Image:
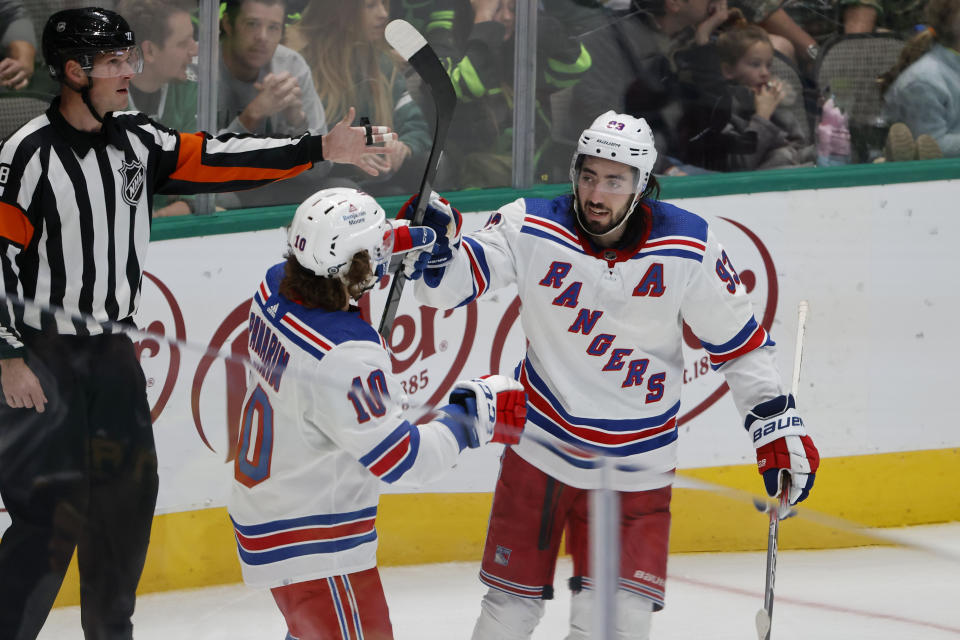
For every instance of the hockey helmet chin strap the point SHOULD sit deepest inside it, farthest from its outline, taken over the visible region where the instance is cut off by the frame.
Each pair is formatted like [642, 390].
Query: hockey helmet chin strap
[84, 92]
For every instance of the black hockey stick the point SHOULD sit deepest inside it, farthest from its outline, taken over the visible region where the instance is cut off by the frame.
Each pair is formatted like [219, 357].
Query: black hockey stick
[414, 48]
[780, 510]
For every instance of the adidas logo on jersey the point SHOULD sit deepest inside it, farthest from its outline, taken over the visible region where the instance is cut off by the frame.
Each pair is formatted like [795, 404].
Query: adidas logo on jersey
[272, 309]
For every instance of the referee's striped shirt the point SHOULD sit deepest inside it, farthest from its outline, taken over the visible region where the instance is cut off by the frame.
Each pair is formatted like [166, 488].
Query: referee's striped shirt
[75, 210]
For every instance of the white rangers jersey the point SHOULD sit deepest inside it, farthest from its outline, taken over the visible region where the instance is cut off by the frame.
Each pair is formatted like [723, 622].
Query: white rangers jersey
[603, 368]
[322, 426]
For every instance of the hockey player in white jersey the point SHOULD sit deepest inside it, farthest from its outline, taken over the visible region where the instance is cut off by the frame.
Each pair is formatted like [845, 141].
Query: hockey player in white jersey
[324, 421]
[606, 277]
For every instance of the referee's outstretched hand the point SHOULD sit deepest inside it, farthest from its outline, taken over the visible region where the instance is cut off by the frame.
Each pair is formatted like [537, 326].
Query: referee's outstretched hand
[356, 145]
[21, 389]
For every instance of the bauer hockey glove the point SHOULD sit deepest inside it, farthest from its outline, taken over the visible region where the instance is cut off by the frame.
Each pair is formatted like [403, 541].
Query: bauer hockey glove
[415, 244]
[496, 405]
[447, 223]
[782, 444]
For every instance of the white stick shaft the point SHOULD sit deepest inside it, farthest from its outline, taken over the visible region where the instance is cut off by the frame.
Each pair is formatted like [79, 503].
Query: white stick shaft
[802, 309]
[764, 618]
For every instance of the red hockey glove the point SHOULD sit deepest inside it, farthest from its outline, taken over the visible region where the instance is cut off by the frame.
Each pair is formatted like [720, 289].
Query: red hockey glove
[415, 244]
[498, 406]
[448, 225]
[782, 444]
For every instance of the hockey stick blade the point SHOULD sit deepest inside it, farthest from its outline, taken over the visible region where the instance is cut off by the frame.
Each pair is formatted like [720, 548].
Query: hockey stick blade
[410, 44]
[763, 624]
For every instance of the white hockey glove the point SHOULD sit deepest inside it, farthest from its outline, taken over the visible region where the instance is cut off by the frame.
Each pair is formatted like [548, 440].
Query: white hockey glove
[782, 444]
[415, 244]
[446, 222]
[496, 407]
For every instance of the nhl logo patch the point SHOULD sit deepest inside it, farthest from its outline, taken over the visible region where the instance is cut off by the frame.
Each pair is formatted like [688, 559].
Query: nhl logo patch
[133, 177]
[502, 556]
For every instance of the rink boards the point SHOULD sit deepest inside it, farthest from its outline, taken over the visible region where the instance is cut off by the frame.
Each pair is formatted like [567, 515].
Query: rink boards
[876, 263]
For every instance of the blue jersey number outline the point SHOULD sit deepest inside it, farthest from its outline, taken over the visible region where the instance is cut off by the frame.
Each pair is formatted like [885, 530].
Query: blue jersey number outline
[247, 470]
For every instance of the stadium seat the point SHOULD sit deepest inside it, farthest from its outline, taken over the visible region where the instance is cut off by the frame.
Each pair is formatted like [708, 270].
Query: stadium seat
[17, 108]
[848, 68]
[784, 69]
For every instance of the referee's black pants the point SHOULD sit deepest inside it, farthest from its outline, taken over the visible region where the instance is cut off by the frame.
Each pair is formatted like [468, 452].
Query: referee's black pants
[82, 475]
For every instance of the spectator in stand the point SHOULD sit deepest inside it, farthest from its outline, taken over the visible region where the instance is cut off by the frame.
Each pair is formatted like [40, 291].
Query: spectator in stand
[791, 39]
[921, 93]
[867, 16]
[435, 17]
[580, 17]
[18, 45]
[352, 64]
[741, 127]
[164, 89]
[267, 89]
[481, 137]
[642, 56]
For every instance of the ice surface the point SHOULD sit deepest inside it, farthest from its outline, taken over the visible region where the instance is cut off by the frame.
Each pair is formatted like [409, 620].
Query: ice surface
[875, 593]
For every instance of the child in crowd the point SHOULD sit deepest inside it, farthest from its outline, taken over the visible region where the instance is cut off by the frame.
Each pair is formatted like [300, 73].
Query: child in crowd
[746, 55]
[732, 120]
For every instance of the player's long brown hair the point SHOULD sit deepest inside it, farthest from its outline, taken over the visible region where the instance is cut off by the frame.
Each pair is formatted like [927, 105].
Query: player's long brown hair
[939, 16]
[330, 39]
[318, 292]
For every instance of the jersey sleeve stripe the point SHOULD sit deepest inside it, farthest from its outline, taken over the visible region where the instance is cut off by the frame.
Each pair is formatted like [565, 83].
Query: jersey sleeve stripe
[751, 336]
[540, 228]
[298, 331]
[306, 333]
[14, 225]
[675, 246]
[553, 227]
[395, 454]
[674, 253]
[264, 292]
[478, 266]
[676, 240]
[192, 168]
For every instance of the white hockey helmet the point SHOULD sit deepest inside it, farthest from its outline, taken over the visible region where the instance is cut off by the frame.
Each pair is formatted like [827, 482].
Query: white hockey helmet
[333, 225]
[621, 138]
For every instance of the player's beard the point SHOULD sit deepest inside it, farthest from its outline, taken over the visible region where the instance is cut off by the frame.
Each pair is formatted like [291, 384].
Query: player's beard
[599, 227]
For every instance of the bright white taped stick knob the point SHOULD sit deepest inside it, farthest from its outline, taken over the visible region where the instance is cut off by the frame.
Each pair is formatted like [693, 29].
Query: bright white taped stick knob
[402, 36]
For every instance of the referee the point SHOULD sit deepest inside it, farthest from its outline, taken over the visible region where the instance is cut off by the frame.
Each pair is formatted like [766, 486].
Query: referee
[78, 467]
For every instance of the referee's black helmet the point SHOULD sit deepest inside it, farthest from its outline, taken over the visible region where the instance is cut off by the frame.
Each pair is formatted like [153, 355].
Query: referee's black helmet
[80, 34]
